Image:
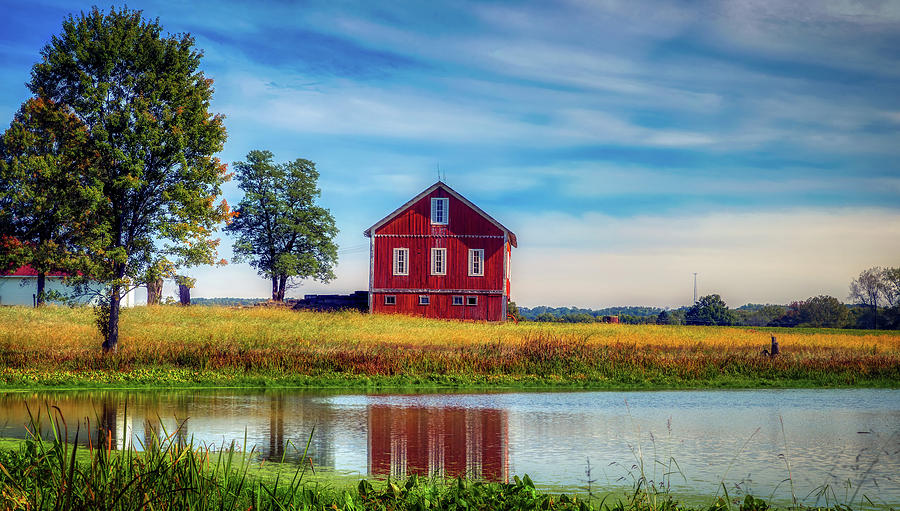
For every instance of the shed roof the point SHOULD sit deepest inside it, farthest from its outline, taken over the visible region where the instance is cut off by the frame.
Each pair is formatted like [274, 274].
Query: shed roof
[28, 271]
[440, 184]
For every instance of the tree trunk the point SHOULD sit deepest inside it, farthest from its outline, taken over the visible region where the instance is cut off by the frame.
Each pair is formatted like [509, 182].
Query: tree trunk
[112, 333]
[283, 285]
[278, 284]
[184, 294]
[41, 284]
[154, 291]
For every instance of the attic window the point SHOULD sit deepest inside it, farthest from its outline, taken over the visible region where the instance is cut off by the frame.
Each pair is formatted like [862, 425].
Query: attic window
[440, 211]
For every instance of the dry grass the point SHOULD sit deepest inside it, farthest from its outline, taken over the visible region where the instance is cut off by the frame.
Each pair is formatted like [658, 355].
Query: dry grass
[257, 345]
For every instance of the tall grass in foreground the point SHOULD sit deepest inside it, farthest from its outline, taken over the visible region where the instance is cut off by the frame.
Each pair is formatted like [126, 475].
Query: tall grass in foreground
[200, 345]
[57, 475]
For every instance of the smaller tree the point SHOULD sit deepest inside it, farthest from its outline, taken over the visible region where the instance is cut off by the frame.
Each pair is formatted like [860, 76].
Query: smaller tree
[709, 310]
[185, 284]
[824, 311]
[280, 230]
[47, 206]
[866, 289]
[662, 318]
[890, 285]
[513, 310]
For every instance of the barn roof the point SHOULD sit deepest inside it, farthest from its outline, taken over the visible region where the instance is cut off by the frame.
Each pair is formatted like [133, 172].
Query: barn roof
[440, 184]
[28, 271]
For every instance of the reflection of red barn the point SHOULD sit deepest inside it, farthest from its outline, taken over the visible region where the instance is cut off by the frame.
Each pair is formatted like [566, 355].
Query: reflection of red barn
[440, 256]
[445, 442]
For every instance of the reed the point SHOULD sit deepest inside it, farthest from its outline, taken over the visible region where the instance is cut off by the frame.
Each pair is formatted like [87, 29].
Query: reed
[183, 346]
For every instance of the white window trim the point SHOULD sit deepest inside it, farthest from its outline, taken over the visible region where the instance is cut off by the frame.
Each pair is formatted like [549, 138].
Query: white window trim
[446, 210]
[434, 269]
[424, 300]
[475, 297]
[472, 252]
[462, 301]
[393, 299]
[405, 252]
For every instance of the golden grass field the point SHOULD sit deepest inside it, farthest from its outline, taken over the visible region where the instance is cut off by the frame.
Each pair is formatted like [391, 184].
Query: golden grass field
[171, 345]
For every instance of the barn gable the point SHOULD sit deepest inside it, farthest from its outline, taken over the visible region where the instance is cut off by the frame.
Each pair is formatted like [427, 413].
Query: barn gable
[403, 218]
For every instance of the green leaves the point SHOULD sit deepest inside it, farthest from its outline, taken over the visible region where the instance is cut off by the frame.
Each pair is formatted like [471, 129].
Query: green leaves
[142, 105]
[280, 229]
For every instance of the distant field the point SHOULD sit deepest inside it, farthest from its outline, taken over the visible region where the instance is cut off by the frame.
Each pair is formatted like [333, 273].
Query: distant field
[175, 346]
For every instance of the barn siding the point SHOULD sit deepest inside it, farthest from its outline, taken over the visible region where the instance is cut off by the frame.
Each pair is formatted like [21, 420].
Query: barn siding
[420, 276]
[489, 307]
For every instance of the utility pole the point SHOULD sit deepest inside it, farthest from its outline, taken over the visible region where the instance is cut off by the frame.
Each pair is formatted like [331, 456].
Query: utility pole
[695, 287]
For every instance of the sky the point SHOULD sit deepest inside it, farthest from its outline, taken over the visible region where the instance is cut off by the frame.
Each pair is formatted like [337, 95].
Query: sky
[628, 144]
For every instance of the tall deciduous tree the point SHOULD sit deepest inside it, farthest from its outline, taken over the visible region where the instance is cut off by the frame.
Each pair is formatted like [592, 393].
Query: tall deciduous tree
[866, 289]
[49, 199]
[709, 310]
[145, 105]
[280, 229]
[890, 285]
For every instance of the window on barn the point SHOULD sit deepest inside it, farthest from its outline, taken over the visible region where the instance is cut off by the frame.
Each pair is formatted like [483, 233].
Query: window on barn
[457, 300]
[401, 261]
[476, 262]
[424, 300]
[390, 300]
[438, 261]
[440, 213]
[471, 300]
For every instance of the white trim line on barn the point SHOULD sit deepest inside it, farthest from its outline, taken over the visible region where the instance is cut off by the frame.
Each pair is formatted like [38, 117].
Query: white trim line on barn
[494, 236]
[440, 291]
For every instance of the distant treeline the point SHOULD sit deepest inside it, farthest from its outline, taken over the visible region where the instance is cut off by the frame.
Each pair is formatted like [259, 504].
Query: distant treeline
[818, 312]
[873, 287]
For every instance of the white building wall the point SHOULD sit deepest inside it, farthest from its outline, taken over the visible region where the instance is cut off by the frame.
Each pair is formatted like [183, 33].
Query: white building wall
[21, 290]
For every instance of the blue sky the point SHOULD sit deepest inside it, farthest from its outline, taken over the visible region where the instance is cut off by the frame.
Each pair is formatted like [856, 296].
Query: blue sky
[627, 143]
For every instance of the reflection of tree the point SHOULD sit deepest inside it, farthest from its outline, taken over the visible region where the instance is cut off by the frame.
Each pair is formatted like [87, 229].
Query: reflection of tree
[107, 422]
[276, 427]
[447, 442]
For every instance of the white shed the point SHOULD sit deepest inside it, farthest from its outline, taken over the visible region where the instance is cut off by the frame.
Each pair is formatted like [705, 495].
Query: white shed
[20, 287]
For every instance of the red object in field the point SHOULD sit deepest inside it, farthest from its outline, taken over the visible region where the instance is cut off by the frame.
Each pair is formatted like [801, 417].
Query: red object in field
[440, 256]
[28, 271]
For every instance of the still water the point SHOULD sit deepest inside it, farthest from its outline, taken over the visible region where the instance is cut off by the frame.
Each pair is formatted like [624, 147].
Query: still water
[751, 441]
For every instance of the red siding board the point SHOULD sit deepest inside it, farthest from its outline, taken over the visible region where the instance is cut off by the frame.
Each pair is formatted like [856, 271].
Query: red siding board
[467, 229]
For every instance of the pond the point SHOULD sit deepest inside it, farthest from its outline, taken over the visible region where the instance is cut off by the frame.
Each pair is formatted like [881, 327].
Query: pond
[773, 443]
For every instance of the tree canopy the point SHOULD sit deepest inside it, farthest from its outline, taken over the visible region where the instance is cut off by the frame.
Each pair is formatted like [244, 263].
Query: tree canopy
[49, 198]
[280, 229]
[145, 105]
[709, 310]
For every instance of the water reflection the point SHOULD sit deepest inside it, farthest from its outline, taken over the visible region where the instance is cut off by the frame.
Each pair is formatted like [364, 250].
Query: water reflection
[444, 442]
[741, 438]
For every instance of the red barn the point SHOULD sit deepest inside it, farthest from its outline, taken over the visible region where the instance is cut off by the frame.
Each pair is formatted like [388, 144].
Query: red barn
[440, 256]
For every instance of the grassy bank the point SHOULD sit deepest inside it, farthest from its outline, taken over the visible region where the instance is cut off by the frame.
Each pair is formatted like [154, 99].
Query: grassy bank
[194, 346]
